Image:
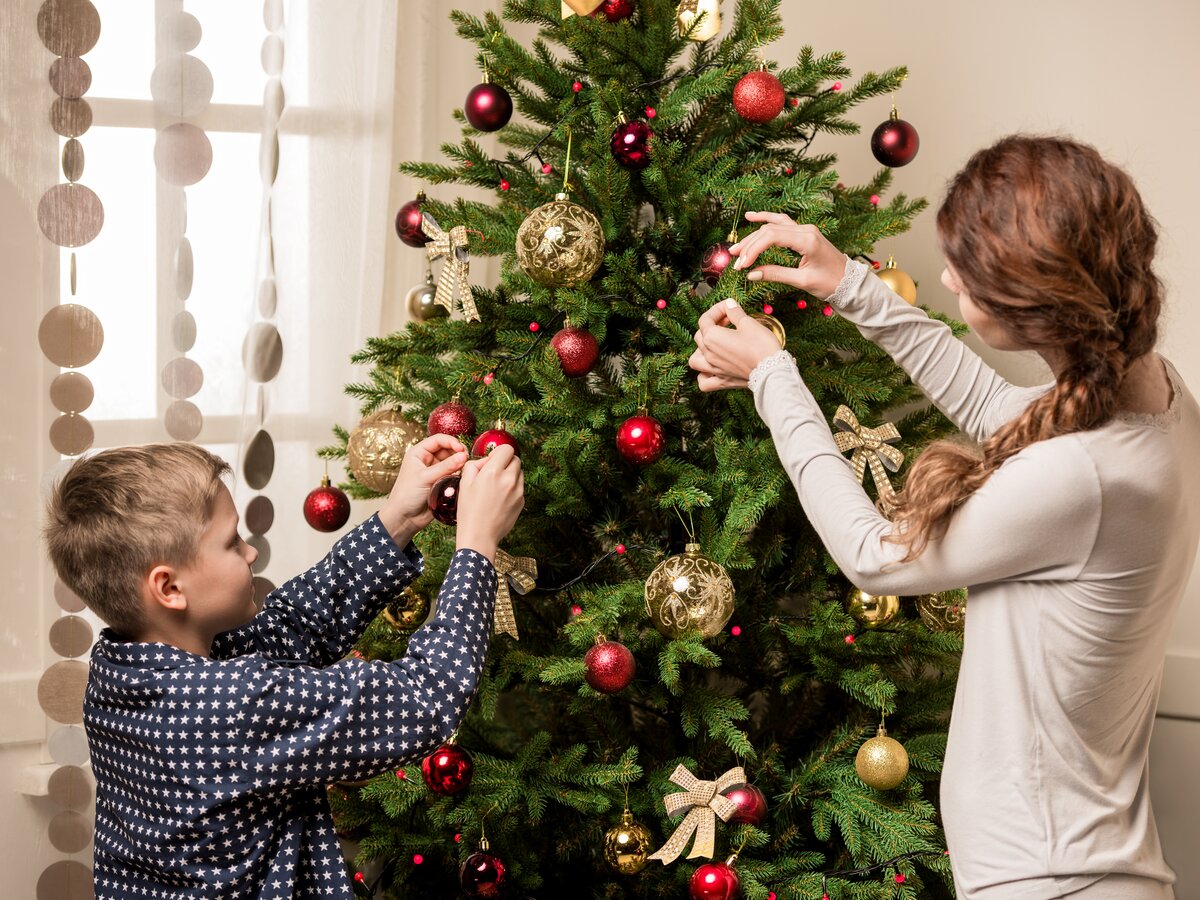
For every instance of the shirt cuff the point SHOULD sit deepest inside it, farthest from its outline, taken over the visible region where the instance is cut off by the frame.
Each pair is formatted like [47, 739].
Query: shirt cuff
[764, 368]
[852, 279]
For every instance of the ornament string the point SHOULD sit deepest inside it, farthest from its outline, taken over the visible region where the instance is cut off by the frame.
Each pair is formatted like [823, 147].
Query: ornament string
[592, 565]
[567, 165]
[867, 870]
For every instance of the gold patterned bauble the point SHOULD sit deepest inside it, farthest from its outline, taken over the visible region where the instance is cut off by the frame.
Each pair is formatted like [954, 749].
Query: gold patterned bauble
[421, 302]
[689, 11]
[560, 244]
[946, 611]
[407, 611]
[773, 324]
[689, 592]
[376, 448]
[627, 845]
[871, 610]
[882, 762]
[898, 280]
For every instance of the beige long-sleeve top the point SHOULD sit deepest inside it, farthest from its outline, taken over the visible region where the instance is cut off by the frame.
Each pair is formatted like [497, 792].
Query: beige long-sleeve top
[1076, 552]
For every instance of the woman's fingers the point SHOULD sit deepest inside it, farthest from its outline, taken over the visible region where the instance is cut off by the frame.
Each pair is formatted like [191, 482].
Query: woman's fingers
[699, 362]
[772, 217]
[719, 382]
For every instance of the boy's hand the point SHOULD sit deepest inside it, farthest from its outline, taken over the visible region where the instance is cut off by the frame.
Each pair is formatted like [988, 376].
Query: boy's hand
[491, 496]
[406, 510]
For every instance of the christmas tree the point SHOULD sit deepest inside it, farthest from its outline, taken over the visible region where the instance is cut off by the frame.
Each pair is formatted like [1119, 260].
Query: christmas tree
[666, 536]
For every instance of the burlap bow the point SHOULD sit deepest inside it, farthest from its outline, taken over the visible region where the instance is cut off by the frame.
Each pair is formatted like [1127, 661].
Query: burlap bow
[522, 572]
[704, 803]
[872, 448]
[452, 245]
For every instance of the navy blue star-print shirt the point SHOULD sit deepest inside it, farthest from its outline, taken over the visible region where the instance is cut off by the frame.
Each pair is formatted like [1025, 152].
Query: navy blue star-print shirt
[211, 772]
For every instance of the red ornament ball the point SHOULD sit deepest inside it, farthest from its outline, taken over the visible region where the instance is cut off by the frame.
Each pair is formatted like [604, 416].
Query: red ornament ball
[758, 97]
[631, 144]
[714, 881]
[448, 770]
[640, 440]
[614, 10]
[715, 261]
[408, 223]
[751, 804]
[483, 876]
[488, 106]
[326, 508]
[452, 418]
[609, 667]
[577, 349]
[895, 143]
[493, 438]
[443, 499]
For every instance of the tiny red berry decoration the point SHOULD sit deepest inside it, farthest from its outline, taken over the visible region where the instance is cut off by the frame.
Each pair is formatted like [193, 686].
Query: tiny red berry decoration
[577, 86]
[849, 639]
[504, 185]
[661, 303]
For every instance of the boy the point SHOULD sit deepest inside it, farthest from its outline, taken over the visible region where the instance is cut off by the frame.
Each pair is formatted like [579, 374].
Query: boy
[214, 724]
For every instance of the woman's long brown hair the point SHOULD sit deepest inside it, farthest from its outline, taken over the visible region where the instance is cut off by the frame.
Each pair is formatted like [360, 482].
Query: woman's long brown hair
[1055, 244]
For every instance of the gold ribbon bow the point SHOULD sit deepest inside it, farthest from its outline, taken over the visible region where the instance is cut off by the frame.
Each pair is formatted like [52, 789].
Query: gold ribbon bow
[704, 802]
[579, 7]
[872, 447]
[522, 572]
[452, 245]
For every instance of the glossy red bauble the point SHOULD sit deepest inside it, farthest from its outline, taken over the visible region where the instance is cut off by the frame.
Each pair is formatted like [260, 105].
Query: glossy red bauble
[615, 10]
[714, 881]
[443, 499]
[751, 804]
[488, 106]
[493, 438]
[577, 351]
[758, 97]
[447, 770]
[895, 143]
[640, 440]
[609, 667]
[326, 508]
[483, 876]
[452, 418]
[631, 144]
[408, 223]
[715, 261]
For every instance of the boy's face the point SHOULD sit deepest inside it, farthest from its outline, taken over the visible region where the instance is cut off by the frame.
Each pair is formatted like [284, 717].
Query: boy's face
[218, 582]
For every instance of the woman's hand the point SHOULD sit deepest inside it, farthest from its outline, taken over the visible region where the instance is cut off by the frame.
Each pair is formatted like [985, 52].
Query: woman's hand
[729, 345]
[821, 264]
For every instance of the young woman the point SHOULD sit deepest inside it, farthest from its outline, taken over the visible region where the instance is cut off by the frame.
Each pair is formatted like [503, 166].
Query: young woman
[1075, 523]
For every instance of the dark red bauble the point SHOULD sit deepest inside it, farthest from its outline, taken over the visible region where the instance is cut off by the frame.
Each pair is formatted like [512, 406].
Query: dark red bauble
[715, 261]
[448, 770]
[408, 224]
[452, 418]
[443, 499]
[631, 144]
[714, 881]
[493, 438]
[640, 440]
[577, 350]
[483, 875]
[609, 667]
[326, 508]
[895, 143]
[488, 106]
[758, 97]
[615, 10]
[751, 804]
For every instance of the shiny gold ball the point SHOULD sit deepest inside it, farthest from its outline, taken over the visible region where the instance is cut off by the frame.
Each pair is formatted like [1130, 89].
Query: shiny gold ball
[560, 244]
[871, 610]
[772, 323]
[420, 303]
[627, 845]
[407, 611]
[377, 446]
[882, 762]
[689, 592]
[946, 611]
[898, 280]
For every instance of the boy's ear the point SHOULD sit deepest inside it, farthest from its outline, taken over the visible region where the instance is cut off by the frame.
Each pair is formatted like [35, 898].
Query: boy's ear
[164, 588]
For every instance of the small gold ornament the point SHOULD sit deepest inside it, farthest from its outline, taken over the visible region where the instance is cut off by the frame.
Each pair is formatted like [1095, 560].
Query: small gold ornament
[872, 447]
[773, 324]
[898, 280]
[560, 244]
[407, 611]
[627, 845]
[871, 611]
[689, 591]
[689, 11]
[946, 611]
[421, 300]
[882, 762]
[376, 448]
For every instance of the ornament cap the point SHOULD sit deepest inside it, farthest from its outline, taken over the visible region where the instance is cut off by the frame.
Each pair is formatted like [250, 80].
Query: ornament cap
[731, 859]
[420, 196]
[325, 482]
[627, 817]
[500, 425]
[622, 119]
[562, 195]
[601, 638]
[691, 547]
[894, 115]
[483, 843]
[732, 236]
[891, 263]
[881, 731]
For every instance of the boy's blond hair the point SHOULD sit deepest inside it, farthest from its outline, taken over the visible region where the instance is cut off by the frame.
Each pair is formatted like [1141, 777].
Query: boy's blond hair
[116, 514]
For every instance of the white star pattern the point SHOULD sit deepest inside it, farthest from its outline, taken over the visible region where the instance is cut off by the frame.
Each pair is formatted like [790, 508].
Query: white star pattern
[210, 773]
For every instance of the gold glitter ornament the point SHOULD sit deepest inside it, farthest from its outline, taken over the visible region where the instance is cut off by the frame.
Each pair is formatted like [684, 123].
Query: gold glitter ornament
[407, 611]
[882, 762]
[871, 610]
[898, 280]
[946, 611]
[627, 845]
[560, 244]
[377, 446]
[689, 592]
